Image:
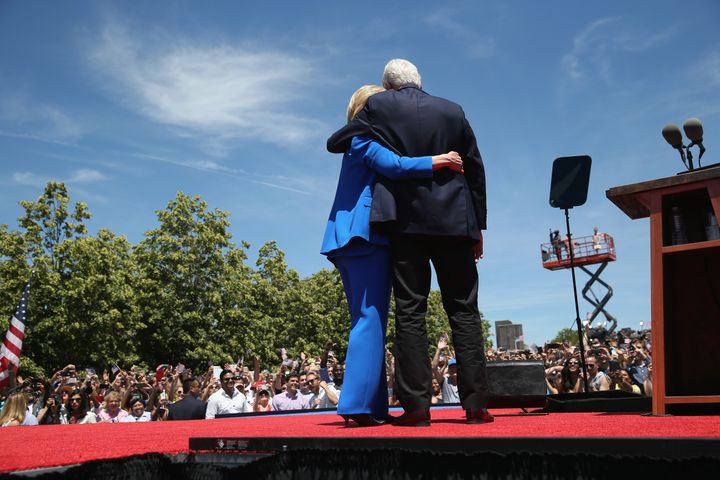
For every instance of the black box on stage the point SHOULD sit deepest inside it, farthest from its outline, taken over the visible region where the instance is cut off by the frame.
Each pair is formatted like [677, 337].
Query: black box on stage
[516, 384]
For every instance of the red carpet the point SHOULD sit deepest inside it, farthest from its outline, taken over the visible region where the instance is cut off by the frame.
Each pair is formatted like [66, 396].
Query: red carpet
[53, 445]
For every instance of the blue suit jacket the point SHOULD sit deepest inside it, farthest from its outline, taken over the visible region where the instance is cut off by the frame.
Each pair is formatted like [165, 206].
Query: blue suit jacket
[350, 214]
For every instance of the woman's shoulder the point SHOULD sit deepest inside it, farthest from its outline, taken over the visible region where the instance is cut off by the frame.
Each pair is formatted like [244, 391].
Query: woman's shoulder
[361, 143]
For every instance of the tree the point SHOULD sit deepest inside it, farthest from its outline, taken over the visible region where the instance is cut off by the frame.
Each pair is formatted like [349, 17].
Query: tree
[319, 314]
[48, 222]
[183, 294]
[566, 335]
[47, 226]
[181, 287]
[101, 314]
[14, 271]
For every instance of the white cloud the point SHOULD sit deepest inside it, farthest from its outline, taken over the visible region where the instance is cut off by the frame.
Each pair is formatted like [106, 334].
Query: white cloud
[584, 44]
[31, 179]
[707, 70]
[476, 45]
[596, 46]
[82, 175]
[86, 175]
[278, 182]
[22, 118]
[224, 92]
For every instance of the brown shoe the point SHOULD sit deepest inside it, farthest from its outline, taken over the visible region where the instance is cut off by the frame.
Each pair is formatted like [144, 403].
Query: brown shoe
[479, 416]
[416, 418]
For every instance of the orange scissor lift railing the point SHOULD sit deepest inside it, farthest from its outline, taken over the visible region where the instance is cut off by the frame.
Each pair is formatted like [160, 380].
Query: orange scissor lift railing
[586, 252]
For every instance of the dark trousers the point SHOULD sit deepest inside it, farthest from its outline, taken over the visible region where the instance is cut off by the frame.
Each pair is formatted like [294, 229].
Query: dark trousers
[454, 264]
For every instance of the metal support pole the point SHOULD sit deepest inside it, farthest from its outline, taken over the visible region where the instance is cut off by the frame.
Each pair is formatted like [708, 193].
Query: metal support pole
[577, 307]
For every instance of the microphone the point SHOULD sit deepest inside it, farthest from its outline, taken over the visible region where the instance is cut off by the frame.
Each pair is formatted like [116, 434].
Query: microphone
[672, 135]
[694, 131]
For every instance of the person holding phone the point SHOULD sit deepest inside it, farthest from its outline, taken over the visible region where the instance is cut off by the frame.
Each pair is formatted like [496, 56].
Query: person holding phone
[621, 380]
[50, 413]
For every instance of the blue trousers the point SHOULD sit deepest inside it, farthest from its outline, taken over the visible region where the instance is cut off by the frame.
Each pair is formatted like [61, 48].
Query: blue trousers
[367, 282]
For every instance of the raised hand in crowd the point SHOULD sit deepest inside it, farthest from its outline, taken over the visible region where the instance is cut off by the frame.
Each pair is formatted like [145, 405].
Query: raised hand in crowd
[621, 380]
[326, 354]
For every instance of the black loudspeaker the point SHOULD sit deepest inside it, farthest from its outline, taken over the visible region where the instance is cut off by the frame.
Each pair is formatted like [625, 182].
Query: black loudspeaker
[570, 180]
[516, 384]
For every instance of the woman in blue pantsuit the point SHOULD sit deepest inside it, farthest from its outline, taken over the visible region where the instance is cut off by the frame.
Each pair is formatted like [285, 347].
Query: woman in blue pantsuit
[362, 258]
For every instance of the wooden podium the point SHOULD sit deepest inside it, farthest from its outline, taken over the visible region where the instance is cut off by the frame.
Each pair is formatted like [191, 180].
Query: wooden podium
[685, 283]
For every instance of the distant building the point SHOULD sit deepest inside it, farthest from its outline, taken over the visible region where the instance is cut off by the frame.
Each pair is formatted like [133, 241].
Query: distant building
[509, 336]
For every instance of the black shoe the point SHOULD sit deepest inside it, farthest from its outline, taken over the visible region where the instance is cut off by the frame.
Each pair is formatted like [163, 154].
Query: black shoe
[416, 418]
[479, 416]
[387, 418]
[363, 420]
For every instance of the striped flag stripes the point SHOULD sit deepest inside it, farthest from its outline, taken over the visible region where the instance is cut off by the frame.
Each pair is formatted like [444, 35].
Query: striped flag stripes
[12, 345]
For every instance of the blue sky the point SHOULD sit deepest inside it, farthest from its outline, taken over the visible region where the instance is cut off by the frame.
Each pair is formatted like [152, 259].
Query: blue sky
[130, 102]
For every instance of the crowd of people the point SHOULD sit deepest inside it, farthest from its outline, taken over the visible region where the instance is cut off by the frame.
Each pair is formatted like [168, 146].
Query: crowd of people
[614, 361]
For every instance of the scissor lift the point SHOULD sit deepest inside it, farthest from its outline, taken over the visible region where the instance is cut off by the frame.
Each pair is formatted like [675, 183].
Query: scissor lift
[586, 252]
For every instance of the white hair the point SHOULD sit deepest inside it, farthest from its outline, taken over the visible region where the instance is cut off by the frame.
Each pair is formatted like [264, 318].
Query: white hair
[400, 73]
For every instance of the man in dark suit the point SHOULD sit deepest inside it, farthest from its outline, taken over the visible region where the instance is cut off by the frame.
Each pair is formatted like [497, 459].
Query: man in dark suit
[190, 407]
[438, 220]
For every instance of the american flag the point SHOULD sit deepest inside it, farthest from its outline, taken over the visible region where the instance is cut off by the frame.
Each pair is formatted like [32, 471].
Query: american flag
[12, 345]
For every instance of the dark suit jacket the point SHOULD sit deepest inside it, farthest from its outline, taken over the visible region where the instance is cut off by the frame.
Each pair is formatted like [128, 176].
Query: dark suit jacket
[413, 123]
[189, 408]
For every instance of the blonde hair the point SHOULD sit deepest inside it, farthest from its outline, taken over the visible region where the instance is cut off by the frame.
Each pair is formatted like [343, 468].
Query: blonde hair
[360, 98]
[15, 408]
[112, 395]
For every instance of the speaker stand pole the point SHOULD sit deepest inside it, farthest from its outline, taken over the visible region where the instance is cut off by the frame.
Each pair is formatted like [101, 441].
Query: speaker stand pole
[577, 307]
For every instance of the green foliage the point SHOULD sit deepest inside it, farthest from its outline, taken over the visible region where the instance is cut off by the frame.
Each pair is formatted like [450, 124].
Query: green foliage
[182, 267]
[566, 334]
[182, 294]
[437, 323]
[48, 222]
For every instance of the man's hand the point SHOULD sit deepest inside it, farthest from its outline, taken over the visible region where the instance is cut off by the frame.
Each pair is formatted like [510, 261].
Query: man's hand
[478, 248]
